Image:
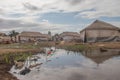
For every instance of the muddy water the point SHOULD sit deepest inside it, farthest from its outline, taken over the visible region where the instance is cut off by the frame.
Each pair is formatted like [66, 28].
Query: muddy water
[67, 65]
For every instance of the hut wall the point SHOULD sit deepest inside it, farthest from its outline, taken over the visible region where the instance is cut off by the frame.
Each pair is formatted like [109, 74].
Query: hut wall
[71, 38]
[99, 35]
[67, 38]
[34, 38]
[82, 35]
[26, 39]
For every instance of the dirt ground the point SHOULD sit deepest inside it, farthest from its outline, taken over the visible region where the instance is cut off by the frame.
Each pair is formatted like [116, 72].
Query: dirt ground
[5, 67]
[4, 74]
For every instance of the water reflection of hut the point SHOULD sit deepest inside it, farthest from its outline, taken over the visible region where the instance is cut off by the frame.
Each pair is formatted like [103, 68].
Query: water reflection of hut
[99, 57]
[100, 31]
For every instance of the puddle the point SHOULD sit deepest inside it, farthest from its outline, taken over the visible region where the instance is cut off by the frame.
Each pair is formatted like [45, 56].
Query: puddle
[68, 65]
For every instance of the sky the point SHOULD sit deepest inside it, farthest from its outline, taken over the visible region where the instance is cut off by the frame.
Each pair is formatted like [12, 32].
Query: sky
[56, 15]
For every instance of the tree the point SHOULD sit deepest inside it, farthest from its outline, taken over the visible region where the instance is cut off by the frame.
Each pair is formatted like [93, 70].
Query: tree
[14, 34]
[49, 33]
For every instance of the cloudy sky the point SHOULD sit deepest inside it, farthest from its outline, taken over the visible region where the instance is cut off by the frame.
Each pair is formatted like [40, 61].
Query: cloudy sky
[56, 15]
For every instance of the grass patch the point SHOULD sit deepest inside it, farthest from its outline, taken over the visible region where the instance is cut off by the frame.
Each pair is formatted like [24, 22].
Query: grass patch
[10, 58]
[26, 45]
[76, 48]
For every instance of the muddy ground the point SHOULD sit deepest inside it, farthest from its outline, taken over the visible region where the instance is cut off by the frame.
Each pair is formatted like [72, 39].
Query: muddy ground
[5, 67]
[4, 74]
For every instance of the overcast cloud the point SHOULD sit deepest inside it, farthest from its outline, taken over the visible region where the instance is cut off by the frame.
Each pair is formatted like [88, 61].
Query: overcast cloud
[26, 14]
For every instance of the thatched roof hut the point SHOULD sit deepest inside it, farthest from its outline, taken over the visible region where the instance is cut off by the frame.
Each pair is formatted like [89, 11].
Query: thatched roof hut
[32, 36]
[5, 39]
[2, 34]
[70, 36]
[100, 31]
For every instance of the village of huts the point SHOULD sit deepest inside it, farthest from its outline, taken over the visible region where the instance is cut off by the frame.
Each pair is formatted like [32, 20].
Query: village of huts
[98, 31]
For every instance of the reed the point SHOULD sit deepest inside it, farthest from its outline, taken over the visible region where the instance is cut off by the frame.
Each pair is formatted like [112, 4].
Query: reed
[9, 58]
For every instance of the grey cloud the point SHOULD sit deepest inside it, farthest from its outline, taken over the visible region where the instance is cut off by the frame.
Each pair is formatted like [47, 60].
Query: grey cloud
[5, 24]
[1, 11]
[74, 2]
[30, 6]
[104, 8]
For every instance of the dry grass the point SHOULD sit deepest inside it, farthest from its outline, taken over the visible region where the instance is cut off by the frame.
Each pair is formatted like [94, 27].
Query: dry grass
[21, 48]
[6, 51]
[110, 45]
[87, 46]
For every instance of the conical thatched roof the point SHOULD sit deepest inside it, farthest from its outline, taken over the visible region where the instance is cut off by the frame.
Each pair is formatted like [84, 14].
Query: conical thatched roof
[101, 25]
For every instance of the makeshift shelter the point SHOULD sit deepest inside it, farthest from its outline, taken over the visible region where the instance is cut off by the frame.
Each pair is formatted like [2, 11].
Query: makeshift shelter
[100, 31]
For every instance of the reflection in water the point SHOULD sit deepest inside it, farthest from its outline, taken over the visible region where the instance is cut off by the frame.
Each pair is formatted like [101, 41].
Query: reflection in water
[67, 65]
[99, 57]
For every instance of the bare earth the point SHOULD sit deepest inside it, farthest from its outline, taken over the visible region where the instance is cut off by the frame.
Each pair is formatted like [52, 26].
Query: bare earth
[4, 74]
